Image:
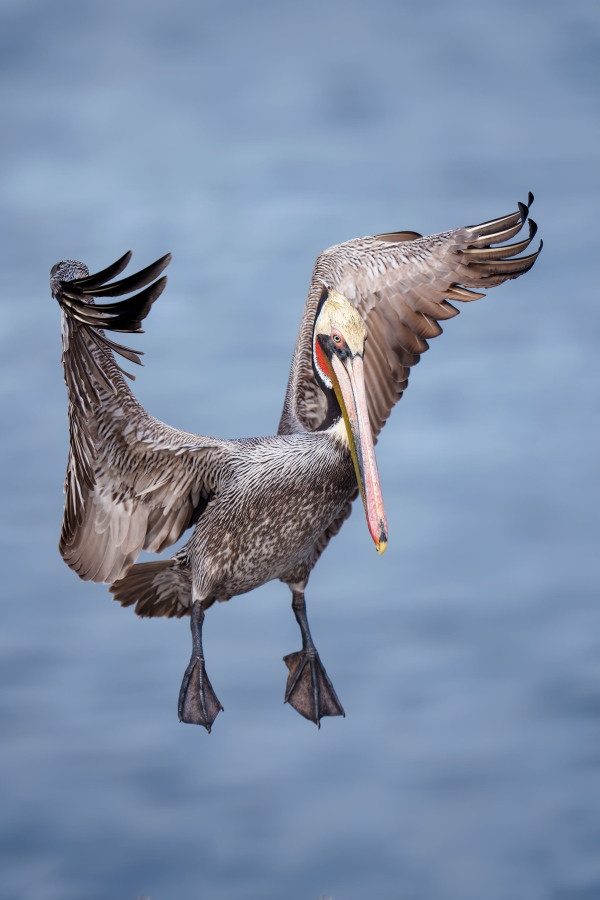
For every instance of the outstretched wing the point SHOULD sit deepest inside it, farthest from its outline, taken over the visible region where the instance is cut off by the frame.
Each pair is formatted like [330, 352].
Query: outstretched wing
[132, 482]
[401, 285]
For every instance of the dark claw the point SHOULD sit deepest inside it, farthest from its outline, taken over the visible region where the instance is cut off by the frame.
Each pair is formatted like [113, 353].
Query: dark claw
[309, 689]
[198, 703]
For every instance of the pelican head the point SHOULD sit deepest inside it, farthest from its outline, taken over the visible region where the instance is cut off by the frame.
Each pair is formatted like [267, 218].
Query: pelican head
[338, 351]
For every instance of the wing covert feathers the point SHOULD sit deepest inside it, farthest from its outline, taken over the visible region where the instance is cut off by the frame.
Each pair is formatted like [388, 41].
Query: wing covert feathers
[402, 284]
[132, 482]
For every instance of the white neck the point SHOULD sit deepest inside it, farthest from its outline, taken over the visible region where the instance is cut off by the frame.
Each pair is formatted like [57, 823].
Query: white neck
[339, 432]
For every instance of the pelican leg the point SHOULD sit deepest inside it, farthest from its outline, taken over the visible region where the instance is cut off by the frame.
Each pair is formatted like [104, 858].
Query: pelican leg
[198, 703]
[309, 689]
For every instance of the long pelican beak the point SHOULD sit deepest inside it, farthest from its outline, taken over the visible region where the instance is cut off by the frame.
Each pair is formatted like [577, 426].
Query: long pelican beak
[349, 386]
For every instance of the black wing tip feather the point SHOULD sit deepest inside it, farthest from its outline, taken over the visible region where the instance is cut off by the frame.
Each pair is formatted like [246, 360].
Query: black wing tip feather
[496, 260]
[76, 296]
[525, 207]
[104, 275]
[99, 284]
[524, 210]
[76, 299]
[132, 282]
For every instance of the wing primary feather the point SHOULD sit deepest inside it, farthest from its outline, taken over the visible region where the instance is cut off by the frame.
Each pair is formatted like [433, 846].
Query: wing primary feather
[476, 253]
[507, 266]
[74, 299]
[84, 318]
[497, 238]
[131, 318]
[133, 282]
[506, 221]
[127, 318]
[99, 278]
[485, 228]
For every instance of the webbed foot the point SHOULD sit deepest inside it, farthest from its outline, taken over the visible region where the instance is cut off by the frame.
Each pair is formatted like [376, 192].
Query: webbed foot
[198, 703]
[309, 689]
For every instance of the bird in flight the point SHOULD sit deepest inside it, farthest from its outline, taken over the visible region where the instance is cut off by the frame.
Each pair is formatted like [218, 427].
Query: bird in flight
[261, 508]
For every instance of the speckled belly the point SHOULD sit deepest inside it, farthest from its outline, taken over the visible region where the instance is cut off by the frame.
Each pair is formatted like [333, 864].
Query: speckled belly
[266, 524]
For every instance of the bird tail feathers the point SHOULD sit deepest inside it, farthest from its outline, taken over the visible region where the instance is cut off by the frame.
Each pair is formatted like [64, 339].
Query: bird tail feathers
[162, 588]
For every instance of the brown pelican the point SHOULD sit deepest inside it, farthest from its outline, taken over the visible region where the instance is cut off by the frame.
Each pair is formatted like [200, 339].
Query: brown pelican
[263, 508]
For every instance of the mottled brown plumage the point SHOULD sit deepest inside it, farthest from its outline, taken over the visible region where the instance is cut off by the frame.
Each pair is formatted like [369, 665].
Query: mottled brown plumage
[263, 508]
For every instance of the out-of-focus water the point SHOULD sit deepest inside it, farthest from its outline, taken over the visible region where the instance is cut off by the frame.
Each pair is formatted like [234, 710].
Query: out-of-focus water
[245, 137]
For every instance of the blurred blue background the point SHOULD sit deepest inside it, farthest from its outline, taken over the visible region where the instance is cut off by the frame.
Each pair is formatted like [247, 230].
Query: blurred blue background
[245, 137]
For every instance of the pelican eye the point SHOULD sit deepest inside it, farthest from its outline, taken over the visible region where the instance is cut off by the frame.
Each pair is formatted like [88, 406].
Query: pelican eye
[337, 339]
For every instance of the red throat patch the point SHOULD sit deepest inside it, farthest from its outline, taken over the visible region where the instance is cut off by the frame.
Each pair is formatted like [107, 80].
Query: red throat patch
[322, 359]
